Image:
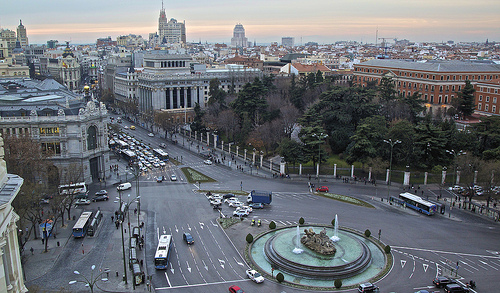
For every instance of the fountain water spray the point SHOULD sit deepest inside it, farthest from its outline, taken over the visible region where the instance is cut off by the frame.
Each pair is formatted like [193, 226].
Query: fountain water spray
[335, 237]
[297, 250]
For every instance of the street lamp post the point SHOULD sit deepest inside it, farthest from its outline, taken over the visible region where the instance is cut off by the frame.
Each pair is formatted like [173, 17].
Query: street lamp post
[391, 143]
[320, 137]
[90, 282]
[455, 155]
[123, 244]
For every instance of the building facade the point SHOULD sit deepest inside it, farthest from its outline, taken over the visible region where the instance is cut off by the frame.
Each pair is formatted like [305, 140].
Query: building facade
[11, 271]
[173, 81]
[170, 31]
[488, 97]
[70, 130]
[66, 69]
[287, 41]
[7, 42]
[239, 39]
[22, 36]
[437, 81]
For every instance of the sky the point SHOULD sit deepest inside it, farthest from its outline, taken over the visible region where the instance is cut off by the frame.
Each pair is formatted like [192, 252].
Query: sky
[322, 21]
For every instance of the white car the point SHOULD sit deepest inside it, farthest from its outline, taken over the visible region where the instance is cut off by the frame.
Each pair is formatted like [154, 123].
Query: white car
[249, 209]
[124, 186]
[82, 201]
[230, 200]
[208, 162]
[235, 204]
[173, 177]
[255, 276]
[215, 202]
[151, 134]
[162, 164]
[240, 214]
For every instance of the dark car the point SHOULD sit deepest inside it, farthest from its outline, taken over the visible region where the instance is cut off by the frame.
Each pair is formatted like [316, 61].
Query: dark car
[440, 282]
[455, 288]
[235, 289]
[228, 195]
[101, 198]
[188, 238]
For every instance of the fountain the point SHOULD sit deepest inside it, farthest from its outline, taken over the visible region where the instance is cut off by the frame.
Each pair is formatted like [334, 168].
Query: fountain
[335, 237]
[297, 250]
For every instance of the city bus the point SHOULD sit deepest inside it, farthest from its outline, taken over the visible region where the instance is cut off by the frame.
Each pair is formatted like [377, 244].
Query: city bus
[417, 203]
[94, 223]
[74, 188]
[163, 252]
[161, 154]
[81, 226]
[128, 155]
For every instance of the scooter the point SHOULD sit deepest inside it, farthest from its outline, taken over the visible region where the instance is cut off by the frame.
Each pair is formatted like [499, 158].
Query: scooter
[471, 284]
[252, 223]
[258, 222]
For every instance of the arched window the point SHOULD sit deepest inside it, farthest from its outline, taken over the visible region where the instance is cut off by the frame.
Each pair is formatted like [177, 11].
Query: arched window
[92, 138]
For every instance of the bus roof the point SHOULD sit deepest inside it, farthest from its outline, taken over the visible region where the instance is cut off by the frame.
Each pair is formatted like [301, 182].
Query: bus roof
[82, 220]
[416, 198]
[163, 246]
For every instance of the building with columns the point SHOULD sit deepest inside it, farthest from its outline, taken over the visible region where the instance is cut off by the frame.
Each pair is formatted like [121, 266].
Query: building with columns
[11, 271]
[66, 69]
[174, 81]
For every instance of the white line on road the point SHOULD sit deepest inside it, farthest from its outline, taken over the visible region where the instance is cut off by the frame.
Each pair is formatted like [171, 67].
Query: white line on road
[168, 281]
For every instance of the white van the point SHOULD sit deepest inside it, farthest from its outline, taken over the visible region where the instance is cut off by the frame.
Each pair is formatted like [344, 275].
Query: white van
[124, 186]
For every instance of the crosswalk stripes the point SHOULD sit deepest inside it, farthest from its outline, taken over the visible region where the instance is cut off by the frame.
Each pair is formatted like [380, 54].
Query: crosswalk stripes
[295, 195]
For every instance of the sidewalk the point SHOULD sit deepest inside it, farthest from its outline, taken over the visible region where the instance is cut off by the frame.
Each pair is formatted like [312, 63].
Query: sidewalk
[38, 263]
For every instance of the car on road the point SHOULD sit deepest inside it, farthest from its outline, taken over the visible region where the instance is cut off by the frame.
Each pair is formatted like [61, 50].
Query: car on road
[441, 281]
[208, 162]
[368, 287]
[247, 208]
[102, 197]
[255, 276]
[455, 288]
[240, 213]
[162, 164]
[456, 188]
[124, 186]
[188, 238]
[322, 189]
[173, 177]
[228, 195]
[151, 134]
[215, 202]
[156, 165]
[257, 205]
[235, 289]
[82, 201]
[159, 179]
[230, 200]
[235, 204]
[101, 192]
[163, 145]
[132, 127]
[217, 196]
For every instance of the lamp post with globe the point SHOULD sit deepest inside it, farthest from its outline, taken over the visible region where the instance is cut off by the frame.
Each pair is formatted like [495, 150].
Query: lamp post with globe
[90, 282]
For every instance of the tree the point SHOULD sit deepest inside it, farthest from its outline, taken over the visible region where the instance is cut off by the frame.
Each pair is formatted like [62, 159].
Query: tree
[217, 95]
[337, 283]
[464, 103]
[414, 106]
[251, 100]
[367, 233]
[280, 277]
[291, 151]
[388, 95]
[197, 124]
[367, 140]
[249, 238]
[312, 144]
[488, 132]
[165, 120]
[301, 221]
[272, 225]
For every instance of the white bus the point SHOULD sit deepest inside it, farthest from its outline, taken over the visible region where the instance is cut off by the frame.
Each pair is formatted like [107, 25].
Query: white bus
[73, 189]
[162, 254]
[417, 203]
[161, 154]
[81, 226]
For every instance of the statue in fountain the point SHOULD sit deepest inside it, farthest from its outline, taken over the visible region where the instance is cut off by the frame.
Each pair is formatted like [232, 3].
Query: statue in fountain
[319, 243]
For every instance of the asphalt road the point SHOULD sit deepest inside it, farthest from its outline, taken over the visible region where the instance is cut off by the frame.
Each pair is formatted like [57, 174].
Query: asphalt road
[421, 245]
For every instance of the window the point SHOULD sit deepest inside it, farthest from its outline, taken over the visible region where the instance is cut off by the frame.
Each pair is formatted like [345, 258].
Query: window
[486, 107]
[51, 148]
[479, 106]
[480, 97]
[49, 131]
[494, 100]
[92, 138]
[493, 109]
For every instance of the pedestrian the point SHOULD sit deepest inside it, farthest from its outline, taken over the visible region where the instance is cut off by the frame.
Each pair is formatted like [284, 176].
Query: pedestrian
[32, 250]
[112, 218]
[43, 241]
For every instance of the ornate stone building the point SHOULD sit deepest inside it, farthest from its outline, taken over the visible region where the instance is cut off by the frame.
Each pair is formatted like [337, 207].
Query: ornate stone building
[66, 69]
[170, 31]
[11, 274]
[22, 36]
[71, 130]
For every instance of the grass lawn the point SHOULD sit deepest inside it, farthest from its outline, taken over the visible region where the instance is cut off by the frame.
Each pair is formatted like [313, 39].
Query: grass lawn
[194, 176]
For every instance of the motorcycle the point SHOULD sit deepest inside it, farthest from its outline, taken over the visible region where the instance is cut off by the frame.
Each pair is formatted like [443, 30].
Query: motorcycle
[252, 223]
[471, 284]
[258, 223]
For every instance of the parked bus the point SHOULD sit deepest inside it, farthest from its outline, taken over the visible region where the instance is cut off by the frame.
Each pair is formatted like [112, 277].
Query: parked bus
[128, 155]
[162, 254]
[81, 226]
[161, 154]
[74, 188]
[94, 223]
[417, 203]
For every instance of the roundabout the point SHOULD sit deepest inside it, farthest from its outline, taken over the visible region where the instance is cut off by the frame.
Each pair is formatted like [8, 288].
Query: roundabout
[357, 258]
